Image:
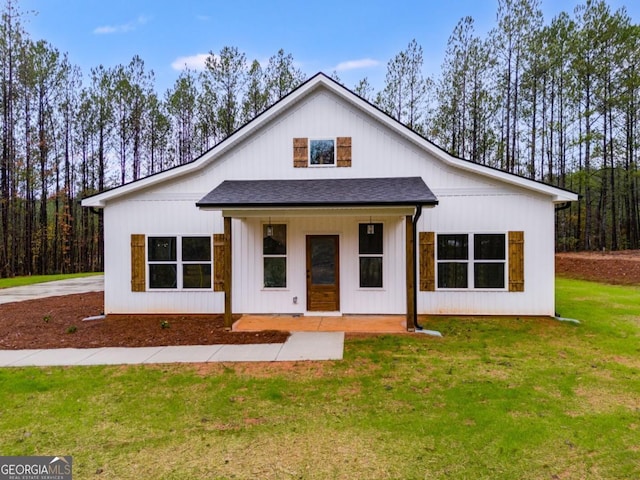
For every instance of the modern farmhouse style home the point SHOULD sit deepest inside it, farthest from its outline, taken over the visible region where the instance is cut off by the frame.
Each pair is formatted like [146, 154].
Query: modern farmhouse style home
[324, 205]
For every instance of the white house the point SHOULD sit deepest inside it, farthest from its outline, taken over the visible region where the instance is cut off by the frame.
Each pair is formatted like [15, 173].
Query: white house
[324, 204]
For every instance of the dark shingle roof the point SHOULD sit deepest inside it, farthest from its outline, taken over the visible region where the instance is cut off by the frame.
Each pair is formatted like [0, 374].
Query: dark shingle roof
[399, 191]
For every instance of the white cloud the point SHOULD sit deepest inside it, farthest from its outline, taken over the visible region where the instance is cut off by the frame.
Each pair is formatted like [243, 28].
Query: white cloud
[105, 30]
[124, 28]
[356, 64]
[192, 62]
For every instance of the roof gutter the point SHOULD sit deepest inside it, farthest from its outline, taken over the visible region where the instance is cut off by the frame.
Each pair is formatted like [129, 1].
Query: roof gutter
[564, 206]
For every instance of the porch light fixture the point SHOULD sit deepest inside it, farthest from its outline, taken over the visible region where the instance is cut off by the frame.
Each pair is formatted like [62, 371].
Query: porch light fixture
[371, 229]
[269, 229]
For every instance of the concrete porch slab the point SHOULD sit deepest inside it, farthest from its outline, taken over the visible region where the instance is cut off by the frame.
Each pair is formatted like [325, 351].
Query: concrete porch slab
[345, 323]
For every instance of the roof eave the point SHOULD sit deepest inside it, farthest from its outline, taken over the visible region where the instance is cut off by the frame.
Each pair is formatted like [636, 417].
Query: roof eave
[99, 200]
[559, 195]
[223, 206]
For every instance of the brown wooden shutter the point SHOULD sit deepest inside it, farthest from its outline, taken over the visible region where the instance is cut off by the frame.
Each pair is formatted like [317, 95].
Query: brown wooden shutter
[218, 262]
[344, 152]
[427, 261]
[300, 152]
[516, 261]
[138, 267]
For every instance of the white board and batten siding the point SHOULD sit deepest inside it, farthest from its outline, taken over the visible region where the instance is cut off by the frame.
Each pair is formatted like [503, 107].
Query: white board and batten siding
[497, 214]
[129, 216]
[468, 203]
[251, 297]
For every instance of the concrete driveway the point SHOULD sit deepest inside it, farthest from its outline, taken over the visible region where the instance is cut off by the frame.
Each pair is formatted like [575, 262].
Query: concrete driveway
[52, 289]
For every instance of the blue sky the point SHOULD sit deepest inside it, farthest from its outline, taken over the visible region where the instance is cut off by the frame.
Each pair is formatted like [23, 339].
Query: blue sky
[355, 38]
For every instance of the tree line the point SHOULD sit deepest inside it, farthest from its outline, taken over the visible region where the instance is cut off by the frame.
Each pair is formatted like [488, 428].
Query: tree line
[555, 102]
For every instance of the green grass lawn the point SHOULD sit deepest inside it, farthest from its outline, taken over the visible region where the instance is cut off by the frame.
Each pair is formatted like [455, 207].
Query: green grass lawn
[494, 399]
[31, 279]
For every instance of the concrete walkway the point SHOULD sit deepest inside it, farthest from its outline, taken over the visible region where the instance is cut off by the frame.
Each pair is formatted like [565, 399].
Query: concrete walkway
[299, 346]
[94, 283]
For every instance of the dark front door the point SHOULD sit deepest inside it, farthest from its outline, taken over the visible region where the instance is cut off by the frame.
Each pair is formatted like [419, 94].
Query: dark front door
[323, 273]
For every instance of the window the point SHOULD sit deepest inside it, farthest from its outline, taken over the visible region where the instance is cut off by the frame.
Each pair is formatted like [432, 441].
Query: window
[322, 152]
[274, 251]
[489, 256]
[477, 257]
[179, 262]
[370, 252]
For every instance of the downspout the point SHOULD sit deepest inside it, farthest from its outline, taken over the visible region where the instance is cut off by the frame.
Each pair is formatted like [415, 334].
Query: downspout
[564, 206]
[416, 217]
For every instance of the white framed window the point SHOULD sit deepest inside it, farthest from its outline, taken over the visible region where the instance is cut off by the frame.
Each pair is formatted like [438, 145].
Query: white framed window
[370, 253]
[179, 262]
[322, 152]
[471, 261]
[274, 255]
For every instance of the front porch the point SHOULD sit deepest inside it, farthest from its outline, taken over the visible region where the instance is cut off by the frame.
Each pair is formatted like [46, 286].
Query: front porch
[346, 244]
[345, 323]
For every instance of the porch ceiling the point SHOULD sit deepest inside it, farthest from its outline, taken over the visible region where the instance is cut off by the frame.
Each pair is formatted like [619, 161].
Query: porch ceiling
[344, 192]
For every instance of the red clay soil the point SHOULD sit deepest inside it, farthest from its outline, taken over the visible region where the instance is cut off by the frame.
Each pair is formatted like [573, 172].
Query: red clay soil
[56, 322]
[617, 268]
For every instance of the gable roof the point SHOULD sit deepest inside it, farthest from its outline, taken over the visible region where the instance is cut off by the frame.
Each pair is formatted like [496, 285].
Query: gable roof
[394, 191]
[320, 80]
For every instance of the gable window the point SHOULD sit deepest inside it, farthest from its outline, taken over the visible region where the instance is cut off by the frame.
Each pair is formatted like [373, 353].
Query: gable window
[327, 152]
[322, 152]
[370, 252]
[274, 255]
[179, 262]
[476, 261]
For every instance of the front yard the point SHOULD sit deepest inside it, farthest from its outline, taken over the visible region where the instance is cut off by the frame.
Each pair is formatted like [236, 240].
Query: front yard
[493, 399]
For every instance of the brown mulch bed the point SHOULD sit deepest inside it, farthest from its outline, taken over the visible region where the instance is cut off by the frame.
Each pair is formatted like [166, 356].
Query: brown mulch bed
[617, 268]
[56, 322]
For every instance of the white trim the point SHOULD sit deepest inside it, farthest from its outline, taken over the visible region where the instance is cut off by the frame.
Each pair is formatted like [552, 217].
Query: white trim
[316, 211]
[322, 81]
